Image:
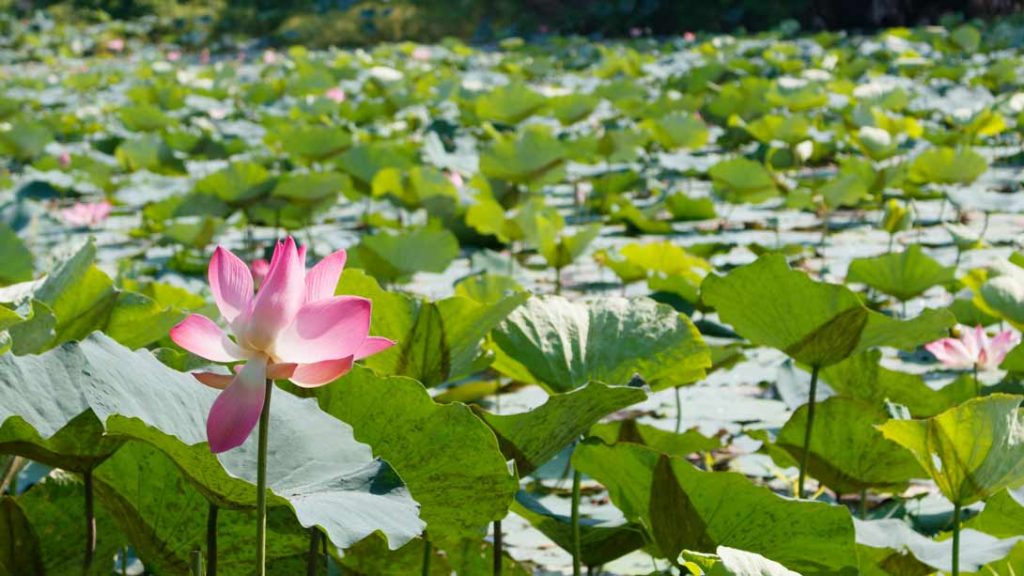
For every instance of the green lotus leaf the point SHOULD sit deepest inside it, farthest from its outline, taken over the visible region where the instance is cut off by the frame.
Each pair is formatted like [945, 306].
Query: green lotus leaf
[149, 152]
[562, 345]
[687, 509]
[572, 108]
[600, 541]
[731, 562]
[903, 275]
[847, 454]
[533, 438]
[314, 187]
[509, 104]
[664, 441]
[739, 180]
[534, 157]
[363, 161]
[239, 183]
[24, 140]
[972, 451]
[769, 128]
[815, 323]
[677, 130]
[396, 257]
[143, 118]
[310, 143]
[947, 166]
[438, 342]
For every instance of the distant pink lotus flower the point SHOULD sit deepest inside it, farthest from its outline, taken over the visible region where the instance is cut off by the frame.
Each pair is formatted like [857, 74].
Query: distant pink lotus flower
[294, 327]
[64, 159]
[260, 267]
[115, 45]
[173, 56]
[269, 57]
[335, 94]
[973, 348]
[86, 214]
[204, 56]
[455, 178]
[689, 36]
[543, 29]
[421, 53]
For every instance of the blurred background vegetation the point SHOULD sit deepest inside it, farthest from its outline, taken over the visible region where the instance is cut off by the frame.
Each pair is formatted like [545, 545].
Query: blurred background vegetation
[355, 22]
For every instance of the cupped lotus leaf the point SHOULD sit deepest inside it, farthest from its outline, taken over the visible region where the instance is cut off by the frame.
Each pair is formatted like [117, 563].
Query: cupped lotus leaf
[164, 518]
[486, 288]
[55, 509]
[412, 188]
[79, 445]
[533, 438]
[509, 104]
[1001, 293]
[862, 377]
[561, 250]
[238, 183]
[815, 323]
[572, 108]
[664, 441]
[363, 161]
[24, 140]
[739, 180]
[396, 257]
[562, 345]
[687, 209]
[846, 190]
[533, 157]
[1003, 514]
[314, 143]
[769, 128]
[687, 509]
[977, 549]
[17, 258]
[971, 451]
[600, 541]
[404, 425]
[149, 152]
[732, 562]
[338, 486]
[313, 187]
[847, 454]
[437, 342]
[903, 275]
[677, 130]
[947, 166]
[19, 553]
[143, 118]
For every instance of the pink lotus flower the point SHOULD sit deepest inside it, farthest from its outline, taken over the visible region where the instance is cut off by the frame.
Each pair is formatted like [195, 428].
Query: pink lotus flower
[115, 45]
[64, 160]
[689, 36]
[421, 53]
[86, 214]
[173, 56]
[973, 348]
[455, 178]
[269, 57]
[294, 327]
[260, 267]
[335, 94]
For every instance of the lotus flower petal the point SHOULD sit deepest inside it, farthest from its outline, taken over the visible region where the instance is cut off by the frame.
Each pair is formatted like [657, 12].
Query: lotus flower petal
[320, 373]
[279, 299]
[372, 345]
[237, 410]
[200, 336]
[322, 279]
[325, 330]
[230, 282]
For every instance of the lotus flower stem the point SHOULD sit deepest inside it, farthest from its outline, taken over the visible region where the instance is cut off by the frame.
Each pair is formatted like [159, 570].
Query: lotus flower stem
[576, 565]
[679, 411]
[261, 483]
[425, 571]
[956, 540]
[497, 548]
[211, 540]
[313, 557]
[807, 432]
[863, 505]
[977, 383]
[90, 521]
[197, 563]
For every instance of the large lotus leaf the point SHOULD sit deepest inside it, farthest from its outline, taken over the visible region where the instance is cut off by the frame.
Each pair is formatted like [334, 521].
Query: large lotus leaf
[19, 549]
[732, 562]
[971, 451]
[238, 183]
[365, 160]
[77, 446]
[394, 257]
[145, 118]
[863, 377]
[469, 558]
[532, 438]
[976, 548]
[150, 152]
[740, 180]
[815, 323]
[902, 275]
[311, 188]
[310, 143]
[338, 486]
[600, 541]
[947, 166]
[55, 511]
[677, 131]
[17, 258]
[535, 157]
[790, 130]
[24, 140]
[1001, 292]
[562, 345]
[664, 441]
[847, 453]
[509, 104]
[561, 250]
[165, 518]
[687, 509]
[437, 342]
[1003, 515]
[405, 426]
[412, 188]
[572, 108]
